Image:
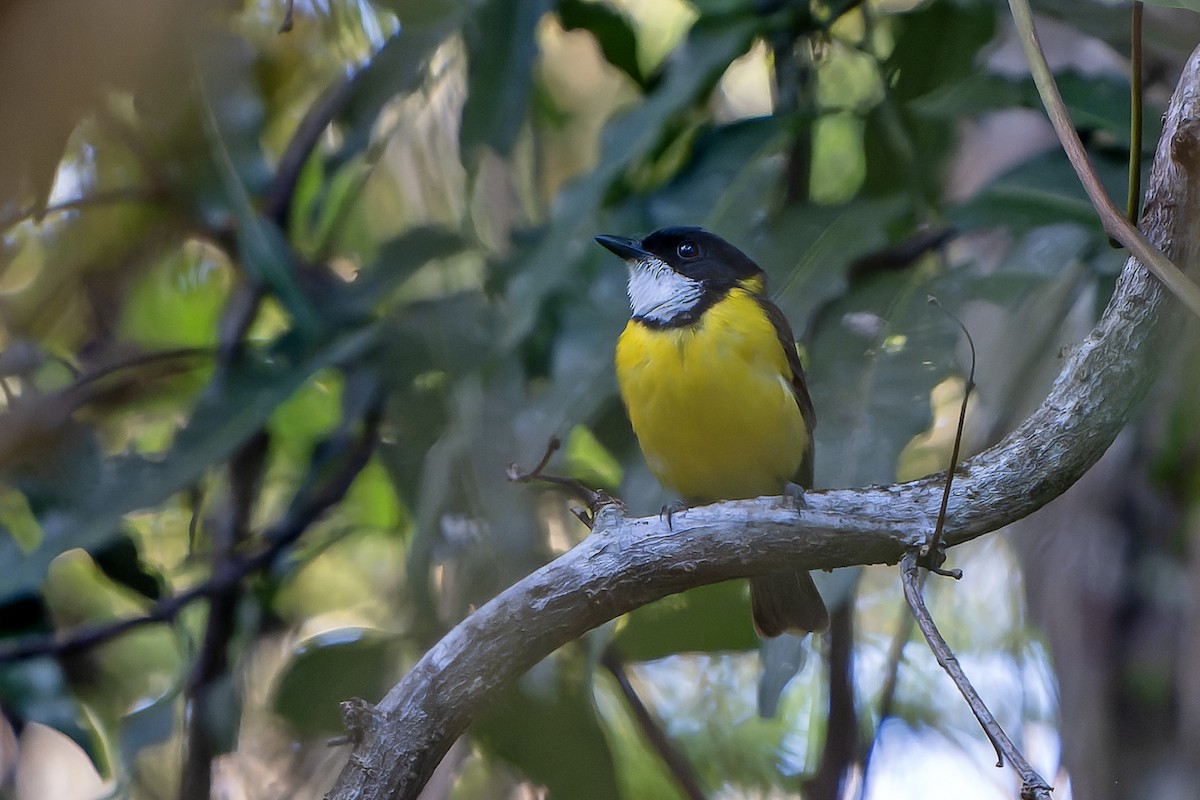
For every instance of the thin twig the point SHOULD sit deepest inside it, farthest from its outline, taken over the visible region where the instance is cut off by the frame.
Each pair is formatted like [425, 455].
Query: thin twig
[130, 194]
[577, 488]
[1111, 218]
[133, 362]
[930, 550]
[277, 203]
[289, 8]
[676, 763]
[1033, 785]
[1134, 199]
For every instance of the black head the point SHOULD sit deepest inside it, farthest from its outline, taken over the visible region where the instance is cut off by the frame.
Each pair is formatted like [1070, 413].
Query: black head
[692, 252]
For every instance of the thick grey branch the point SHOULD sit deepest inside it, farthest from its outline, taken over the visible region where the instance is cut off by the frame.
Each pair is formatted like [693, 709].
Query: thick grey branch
[627, 562]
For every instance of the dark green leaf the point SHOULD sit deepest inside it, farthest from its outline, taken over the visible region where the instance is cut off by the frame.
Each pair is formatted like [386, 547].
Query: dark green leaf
[709, 619]
[398, 259]
[1042, 189]
[331, 667]
[937, 45]
[877, 353]
[727, 176]
[546, 727]
[721, 8]
[613, 33]
[149, 725]
[502, 48]
[36, 691]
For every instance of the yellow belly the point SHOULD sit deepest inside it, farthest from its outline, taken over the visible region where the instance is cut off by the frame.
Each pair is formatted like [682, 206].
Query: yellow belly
[712, 404]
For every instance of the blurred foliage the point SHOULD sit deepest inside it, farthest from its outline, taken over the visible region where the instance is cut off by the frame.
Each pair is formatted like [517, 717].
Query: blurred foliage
[378, 224]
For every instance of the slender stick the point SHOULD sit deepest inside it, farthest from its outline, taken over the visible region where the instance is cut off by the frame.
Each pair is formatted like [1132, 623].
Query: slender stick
[676, 763]
[1033, 785]
[935, 541]
[1133, 201]
[1113, 220]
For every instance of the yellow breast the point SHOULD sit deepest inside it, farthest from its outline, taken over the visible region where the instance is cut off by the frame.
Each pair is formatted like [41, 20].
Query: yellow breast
[712, 403]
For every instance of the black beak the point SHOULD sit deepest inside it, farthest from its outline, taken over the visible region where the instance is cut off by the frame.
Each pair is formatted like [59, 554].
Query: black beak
[625, 249]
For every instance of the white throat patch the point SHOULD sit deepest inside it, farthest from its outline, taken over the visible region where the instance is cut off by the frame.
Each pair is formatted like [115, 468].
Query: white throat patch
[659, 293]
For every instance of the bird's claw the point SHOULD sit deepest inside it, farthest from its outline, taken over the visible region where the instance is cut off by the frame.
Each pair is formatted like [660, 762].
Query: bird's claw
[670, 510]
[793, 493]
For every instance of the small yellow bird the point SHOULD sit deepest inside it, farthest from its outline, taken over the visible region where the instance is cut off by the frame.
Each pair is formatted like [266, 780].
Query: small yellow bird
[714, 388]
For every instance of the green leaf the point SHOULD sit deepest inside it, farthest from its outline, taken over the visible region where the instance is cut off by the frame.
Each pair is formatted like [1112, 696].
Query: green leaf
[149, 725]
[970, 95]
[876, 354]
[398, 259]
[320, 206]
[36, 691]
[1042, 189]
[331, 667]
[709, 619]
[614, 34]
[304, 418]
[726, 177]
[179, 302]
[590, 462]
[269, 260]
[124, 674]
[502, 48]
[546, 726]
[371, 501]
[1100, 103]
[263, 250]
[722, 8]
[936, 45]
[806, 250]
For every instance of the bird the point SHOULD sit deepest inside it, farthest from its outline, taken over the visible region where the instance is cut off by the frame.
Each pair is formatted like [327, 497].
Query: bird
[712, 383]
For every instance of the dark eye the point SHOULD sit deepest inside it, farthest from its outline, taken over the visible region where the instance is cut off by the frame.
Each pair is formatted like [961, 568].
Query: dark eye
[688, 250]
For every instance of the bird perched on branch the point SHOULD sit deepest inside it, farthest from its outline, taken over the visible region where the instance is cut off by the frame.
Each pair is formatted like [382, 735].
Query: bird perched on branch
[714, 388]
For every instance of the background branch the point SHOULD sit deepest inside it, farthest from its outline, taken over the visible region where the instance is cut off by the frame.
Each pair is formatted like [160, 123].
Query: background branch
[675, 761]
[627, 562]
[1114, 221]
[323, 491]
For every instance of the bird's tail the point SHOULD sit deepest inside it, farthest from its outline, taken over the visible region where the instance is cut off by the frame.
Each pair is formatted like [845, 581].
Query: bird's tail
[786, 602]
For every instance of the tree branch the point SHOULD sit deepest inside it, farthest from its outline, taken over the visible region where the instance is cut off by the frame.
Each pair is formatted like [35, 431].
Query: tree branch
[1033, 785]
[627, 563]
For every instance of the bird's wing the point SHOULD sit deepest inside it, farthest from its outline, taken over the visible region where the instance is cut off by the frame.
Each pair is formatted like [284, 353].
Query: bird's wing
[804, 475]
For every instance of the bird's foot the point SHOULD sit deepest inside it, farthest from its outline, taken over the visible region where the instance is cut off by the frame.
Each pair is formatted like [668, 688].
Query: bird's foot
[668, 511]
[793, 494]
